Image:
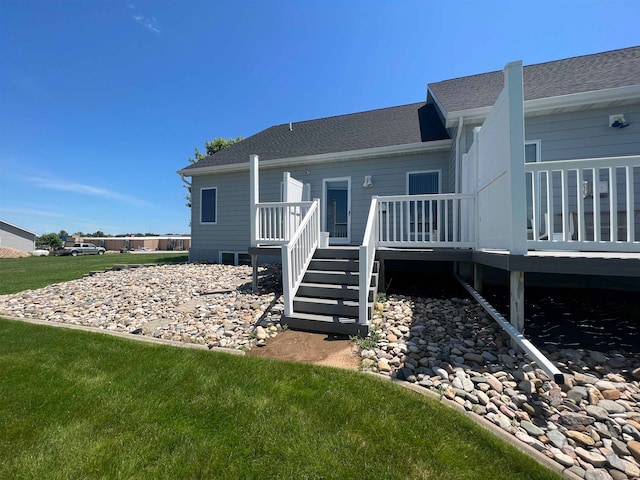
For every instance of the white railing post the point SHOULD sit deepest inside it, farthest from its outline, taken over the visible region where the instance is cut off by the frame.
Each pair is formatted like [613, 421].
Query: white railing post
[254, 198]
[287, 280]
[366, 257]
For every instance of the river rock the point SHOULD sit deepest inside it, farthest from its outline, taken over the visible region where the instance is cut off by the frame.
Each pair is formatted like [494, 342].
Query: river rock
[611, 406]
[594, 458]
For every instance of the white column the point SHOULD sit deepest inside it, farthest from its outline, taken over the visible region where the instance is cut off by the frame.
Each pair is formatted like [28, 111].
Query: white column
[513, 83]
[254, 197]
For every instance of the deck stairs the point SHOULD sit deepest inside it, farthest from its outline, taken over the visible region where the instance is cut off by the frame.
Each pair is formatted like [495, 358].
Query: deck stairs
[327, 299]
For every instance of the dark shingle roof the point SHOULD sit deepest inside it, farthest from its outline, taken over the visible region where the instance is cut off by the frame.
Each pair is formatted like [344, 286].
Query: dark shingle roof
[417, 122]
[617, 68]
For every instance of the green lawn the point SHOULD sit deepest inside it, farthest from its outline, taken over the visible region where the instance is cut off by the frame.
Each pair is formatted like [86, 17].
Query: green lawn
[17, 274]
[85, 405]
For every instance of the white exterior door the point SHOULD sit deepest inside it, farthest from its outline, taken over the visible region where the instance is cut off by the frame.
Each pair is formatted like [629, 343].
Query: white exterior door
[336, 205]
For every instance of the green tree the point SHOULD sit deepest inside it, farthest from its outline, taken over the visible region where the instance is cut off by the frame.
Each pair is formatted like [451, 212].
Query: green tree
[49, 240]
[211, 147]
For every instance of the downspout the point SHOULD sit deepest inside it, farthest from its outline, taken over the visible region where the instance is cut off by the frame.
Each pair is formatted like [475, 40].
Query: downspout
[185, 181]
[458, 185]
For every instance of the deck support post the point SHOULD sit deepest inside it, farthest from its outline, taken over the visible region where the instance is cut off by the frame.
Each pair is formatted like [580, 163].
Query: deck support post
[381, 279]
[254, 266]
[477, 278]
[516, 312]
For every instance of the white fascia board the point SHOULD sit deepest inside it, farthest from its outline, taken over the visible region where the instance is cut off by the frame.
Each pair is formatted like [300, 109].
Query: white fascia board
[19, 228]
[598, 98]
[420, 147]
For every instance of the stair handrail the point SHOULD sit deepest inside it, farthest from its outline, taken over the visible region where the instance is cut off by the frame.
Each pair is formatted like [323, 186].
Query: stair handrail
[297, 254]
[367, 255]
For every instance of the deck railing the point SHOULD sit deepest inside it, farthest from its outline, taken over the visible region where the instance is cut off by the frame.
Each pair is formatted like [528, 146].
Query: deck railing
[416, 221]
[297, 253]
[591, 204]
[276, 222]
[367, 255]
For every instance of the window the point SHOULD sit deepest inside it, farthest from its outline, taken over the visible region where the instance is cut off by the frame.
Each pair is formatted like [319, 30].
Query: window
[421, 183]
[235, 258]
[208, 205]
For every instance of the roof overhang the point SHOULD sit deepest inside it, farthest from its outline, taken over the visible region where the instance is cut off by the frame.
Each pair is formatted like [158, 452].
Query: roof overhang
[20, 228]
[392, 150]
[550, 105]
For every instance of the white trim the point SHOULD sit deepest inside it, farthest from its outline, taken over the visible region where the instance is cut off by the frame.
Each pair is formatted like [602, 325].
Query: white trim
[334, 240]
[438, 171]
[19, 228]
[420, 147]
[538, 106]
[215, 213]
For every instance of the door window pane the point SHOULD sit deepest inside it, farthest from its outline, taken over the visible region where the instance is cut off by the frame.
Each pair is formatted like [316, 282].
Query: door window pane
[337, 208]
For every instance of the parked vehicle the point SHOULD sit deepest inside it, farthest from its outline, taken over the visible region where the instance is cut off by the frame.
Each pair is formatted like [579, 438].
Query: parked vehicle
[81, 249]
[39, 252]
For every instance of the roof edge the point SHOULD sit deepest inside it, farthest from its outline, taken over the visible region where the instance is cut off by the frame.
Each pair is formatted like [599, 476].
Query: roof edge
[19, 228]
[541, 105]
[421, 147]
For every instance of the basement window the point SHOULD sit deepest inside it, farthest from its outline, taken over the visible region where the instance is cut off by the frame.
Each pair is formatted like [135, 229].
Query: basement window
[235, 258]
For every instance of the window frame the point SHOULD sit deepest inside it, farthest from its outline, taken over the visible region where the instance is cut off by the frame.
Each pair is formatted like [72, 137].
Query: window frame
[215, 210]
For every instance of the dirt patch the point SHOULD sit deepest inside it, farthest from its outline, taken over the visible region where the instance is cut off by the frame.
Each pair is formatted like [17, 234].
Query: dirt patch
[317, 348]
[9, 252]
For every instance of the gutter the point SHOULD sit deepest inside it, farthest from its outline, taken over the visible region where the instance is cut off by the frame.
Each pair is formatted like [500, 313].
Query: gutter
[376, 152]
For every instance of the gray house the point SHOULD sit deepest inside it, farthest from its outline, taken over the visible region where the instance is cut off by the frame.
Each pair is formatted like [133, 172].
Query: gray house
[15, 237]
[529, 169]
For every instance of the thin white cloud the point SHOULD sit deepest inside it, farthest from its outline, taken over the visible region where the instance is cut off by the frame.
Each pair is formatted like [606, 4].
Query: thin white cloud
[82, 189]
[29, 211]
[150, 23]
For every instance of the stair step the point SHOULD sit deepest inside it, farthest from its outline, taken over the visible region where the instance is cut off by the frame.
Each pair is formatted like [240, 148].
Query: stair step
[328, 306]
[325, 324]
[332, 264]
[331, 277]
[335, 253]
[324, 290]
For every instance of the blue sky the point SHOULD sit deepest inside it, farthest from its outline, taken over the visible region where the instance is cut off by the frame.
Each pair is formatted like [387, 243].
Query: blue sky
[102, 101]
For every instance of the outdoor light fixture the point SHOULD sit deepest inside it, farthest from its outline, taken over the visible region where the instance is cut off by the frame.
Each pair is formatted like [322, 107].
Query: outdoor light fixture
[618, 121]
[367, 182]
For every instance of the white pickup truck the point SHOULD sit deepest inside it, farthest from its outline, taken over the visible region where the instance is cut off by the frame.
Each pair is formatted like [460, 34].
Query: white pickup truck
[81, 249]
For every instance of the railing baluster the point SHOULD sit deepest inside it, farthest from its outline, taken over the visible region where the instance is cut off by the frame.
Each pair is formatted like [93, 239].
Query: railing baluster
[631, 218]
[596, 205]
[564, 185]
[613, 204]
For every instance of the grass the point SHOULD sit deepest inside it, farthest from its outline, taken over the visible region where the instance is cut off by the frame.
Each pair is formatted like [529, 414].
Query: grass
[19, 274]
[85, 405]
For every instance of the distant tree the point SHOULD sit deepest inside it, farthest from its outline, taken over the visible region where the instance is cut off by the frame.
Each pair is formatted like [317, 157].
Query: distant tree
[51, 240]
[63, 233]
[98, 233]
[211, 147]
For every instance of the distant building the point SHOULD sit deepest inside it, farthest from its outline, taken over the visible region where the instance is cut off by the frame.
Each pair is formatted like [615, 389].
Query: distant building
[13, 236]
[166, 243]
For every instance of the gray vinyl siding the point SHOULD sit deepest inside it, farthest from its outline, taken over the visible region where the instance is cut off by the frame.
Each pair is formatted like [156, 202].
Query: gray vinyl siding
[232, 231]
[587, 134]
[13, 237]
